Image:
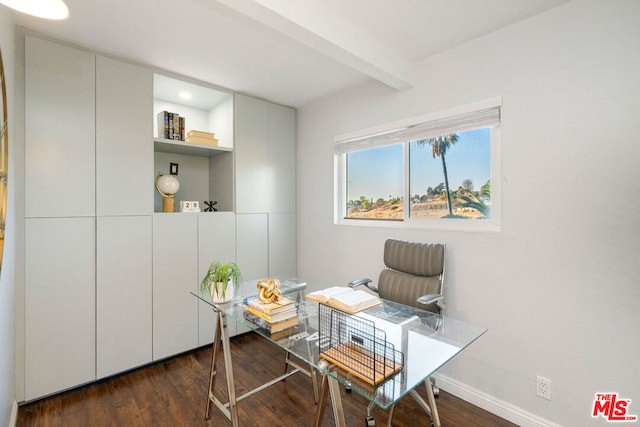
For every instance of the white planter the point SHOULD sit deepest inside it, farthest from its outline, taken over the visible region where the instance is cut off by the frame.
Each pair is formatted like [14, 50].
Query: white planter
[220, 297]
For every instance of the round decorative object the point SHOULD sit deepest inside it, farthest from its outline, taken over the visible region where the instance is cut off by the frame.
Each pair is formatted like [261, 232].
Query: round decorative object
[269, 290]
[167, 185]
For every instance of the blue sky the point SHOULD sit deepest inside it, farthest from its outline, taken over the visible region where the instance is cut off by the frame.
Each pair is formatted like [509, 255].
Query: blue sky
[377, 173]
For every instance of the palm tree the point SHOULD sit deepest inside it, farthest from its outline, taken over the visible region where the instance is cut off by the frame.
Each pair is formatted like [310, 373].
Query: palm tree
[439, 146]
[477, 201]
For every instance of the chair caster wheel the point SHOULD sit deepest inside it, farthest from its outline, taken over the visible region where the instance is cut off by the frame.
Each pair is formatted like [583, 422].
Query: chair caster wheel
[370, 422]
[434, 387]
[347, 386]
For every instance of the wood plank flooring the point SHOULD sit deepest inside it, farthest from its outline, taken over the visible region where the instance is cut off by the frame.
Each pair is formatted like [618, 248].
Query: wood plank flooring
[173, 393]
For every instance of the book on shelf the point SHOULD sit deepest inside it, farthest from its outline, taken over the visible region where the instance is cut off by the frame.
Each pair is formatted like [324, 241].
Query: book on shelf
[201, 134]
[200, 140]
[163, 124]
[345, 299]
[273, 318]
[272, 328]
[181, 128]
[171, 126]
[271, 308]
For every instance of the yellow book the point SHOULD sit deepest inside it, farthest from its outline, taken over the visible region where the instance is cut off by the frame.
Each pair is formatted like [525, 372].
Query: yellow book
[272, 328]
[201, 134]
[201, 140]
[274, 318]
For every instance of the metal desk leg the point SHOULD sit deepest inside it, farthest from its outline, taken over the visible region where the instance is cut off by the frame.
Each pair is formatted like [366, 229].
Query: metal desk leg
[336, 401]
[228, 369]
[311, 372]
[435, 418]
[322, 400]
[332, 387]
[431, 409]
[230, 410]
[213, 372]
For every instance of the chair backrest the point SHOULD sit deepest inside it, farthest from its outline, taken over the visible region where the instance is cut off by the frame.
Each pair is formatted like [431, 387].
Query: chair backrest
[412, 270]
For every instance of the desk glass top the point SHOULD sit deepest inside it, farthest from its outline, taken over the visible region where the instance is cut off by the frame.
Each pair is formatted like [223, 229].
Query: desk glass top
[427, 340]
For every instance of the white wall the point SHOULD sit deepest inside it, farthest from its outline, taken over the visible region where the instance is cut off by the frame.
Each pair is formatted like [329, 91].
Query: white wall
[558, 287]
[7, 277]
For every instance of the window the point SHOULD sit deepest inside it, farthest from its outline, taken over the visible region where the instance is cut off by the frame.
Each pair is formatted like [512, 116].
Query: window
[435, 171]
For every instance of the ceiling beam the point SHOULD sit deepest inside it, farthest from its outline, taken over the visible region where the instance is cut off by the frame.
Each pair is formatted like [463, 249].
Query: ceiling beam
[315, 25]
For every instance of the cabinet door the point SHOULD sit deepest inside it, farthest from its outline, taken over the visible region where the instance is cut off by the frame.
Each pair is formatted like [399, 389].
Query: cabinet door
[252, 245]
[59, 130]
[281, 152]
[124, 151]
[265, 156]
[59, 304]
[175, 273]
[254, 180]
[123, 293]
[282, 244]
[216, 242]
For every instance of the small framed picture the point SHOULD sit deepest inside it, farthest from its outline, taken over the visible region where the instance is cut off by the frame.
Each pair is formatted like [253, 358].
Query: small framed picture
[173, 169]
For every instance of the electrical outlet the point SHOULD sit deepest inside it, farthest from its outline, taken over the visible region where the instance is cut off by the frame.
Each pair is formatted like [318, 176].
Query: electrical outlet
[543, 387]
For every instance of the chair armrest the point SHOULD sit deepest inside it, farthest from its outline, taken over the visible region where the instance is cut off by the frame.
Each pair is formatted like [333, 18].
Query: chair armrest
[431, 298]
[360, 282]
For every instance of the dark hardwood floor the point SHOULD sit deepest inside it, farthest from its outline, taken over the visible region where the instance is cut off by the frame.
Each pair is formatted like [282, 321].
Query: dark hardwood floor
[173, 393]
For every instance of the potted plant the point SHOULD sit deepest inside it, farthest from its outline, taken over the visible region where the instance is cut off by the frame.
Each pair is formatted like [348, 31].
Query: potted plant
[219, 277]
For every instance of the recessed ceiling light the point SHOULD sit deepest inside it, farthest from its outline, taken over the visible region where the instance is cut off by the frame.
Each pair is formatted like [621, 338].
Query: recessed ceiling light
[48, 9]
[184, 95]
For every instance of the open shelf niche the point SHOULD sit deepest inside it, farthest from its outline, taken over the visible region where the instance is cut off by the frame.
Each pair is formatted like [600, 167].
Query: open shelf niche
[205, 172]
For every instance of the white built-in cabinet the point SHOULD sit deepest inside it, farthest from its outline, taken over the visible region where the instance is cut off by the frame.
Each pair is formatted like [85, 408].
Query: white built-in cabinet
[123, 293]
[59, 218]
[124, 170]
[87, 217]
[59, 131]
[216, 241]
[60, 304]
[266, 244]
[124, 155]
[252, 234]
[107, 274]
[175, 274]
[184, 245]
[265, 188]
[282, 244]
[265, 156]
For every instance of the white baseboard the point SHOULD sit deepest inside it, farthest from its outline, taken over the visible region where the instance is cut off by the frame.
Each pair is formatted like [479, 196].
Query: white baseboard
[13, 420]
[491, 404]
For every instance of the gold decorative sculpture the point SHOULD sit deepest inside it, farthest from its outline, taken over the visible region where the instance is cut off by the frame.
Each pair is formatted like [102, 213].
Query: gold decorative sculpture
[269, 290]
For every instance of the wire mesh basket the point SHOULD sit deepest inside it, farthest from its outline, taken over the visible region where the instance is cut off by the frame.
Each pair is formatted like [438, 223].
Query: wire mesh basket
[357, 346]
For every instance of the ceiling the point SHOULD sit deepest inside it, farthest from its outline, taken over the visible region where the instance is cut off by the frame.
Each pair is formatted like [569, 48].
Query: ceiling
[290, 52]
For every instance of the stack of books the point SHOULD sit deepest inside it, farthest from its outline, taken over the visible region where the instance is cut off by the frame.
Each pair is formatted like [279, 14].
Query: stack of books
[202, 137]
[170, 126]
[276, 317]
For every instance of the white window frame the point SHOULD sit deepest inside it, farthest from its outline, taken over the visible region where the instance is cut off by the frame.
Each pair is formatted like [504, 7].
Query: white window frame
[387, 134]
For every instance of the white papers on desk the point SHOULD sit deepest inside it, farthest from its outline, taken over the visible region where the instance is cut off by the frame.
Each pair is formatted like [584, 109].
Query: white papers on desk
[425, 355]
[422, 354]
[393, 331]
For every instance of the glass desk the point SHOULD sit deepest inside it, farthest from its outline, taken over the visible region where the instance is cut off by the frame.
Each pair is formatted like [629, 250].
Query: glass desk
[426, 340]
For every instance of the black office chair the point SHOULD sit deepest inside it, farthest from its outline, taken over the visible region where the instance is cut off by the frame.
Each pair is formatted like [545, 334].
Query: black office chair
[414, 276]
